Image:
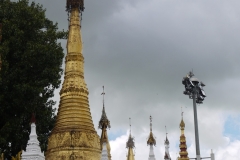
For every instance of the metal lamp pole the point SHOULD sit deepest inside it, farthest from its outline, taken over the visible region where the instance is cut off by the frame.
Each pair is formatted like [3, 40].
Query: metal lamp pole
[196, 125]
[194, 89]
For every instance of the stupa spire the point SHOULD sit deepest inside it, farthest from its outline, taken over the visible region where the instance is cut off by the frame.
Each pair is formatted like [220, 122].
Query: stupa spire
[151, 141]
[130, 144]
[183, 146]
[33, 150]
[73, 135]
[104, 123]
[166, 143]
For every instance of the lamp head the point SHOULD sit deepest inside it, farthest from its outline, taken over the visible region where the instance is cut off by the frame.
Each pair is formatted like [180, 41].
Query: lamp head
[194, 80]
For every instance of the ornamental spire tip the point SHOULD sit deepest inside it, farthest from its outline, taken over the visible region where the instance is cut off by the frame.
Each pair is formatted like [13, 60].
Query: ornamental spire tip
[151, 140]
[150, 123]
[166, 141]
[79, 4]
[130, 143]
[104, 122]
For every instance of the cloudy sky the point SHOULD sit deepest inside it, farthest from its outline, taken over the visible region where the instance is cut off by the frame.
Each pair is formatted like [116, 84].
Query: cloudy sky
[141, 49]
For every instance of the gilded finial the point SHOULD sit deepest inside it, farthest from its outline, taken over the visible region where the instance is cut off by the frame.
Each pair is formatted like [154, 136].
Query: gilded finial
[150, 123]
[103, 94]
[166, 130]
[166, 141]
[104, 122]
[182, 112]
[182, 124]
[130, 142]
[151, 140]
[130, 126]
[130, 145]
[183, 146]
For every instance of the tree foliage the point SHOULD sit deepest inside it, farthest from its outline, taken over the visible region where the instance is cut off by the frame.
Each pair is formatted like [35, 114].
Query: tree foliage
[31, 71]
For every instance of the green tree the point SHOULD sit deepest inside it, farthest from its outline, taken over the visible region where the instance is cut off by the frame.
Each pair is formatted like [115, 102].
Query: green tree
[31, 71]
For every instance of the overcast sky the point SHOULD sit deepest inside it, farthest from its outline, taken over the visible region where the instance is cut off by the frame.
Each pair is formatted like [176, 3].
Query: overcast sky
[141, 49]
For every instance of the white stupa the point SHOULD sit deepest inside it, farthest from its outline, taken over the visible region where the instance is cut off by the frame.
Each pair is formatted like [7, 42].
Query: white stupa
[33, 150]
[167, 155]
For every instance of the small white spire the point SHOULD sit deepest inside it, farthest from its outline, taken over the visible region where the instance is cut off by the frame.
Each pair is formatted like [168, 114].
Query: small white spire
[151, 154]
[104, 155]
[151, 141]
[33, 150]
[166, 143]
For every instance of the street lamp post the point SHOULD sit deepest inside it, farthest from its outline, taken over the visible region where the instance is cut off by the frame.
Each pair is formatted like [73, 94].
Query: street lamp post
[194, 89]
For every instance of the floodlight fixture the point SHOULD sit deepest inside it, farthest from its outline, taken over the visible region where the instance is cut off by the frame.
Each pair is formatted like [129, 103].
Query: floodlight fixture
[194, 89]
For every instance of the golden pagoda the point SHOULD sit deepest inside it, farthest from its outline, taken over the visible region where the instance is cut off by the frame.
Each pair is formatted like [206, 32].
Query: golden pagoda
[130, 145]
[73, 136]
[183, 146]
[104, 123]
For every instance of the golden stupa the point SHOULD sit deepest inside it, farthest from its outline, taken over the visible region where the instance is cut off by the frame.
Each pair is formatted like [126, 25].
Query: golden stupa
[73, 136]
[183, 146]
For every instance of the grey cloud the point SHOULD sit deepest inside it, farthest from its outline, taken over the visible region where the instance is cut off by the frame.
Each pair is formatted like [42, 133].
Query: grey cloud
[140, 50]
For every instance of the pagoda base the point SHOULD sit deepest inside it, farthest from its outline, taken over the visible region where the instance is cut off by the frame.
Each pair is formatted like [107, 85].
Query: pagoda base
[73, 145]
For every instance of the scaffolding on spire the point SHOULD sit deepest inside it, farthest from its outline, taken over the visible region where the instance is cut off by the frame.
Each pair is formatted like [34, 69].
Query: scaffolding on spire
[75, 4]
